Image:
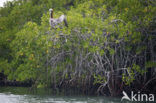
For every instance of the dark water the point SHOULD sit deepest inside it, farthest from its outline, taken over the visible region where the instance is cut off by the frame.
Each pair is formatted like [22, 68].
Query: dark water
[23, 95]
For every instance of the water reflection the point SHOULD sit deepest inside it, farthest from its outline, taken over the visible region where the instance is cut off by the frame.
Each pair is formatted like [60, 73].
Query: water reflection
[21, 95]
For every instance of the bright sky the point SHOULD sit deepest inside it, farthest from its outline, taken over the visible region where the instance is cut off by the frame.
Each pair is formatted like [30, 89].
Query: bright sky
[2, 1]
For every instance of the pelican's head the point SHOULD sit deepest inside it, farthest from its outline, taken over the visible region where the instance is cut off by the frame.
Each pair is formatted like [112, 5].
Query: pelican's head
[50, 10]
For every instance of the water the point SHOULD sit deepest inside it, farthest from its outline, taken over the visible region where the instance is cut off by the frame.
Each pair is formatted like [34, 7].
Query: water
[23, 95]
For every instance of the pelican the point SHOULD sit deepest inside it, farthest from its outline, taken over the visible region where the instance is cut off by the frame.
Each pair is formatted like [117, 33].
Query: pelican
[55, 21]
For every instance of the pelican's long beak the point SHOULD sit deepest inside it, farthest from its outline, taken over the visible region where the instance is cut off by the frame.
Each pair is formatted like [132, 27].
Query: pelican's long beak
[51, 13]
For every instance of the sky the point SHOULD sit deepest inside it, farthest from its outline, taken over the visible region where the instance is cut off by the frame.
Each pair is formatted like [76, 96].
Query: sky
[2, 1]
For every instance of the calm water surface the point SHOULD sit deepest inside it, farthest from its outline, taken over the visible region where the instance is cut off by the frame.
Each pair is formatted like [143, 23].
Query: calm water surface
[23, 95]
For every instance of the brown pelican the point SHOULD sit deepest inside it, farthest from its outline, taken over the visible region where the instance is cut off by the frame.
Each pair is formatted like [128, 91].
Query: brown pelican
[55, 21]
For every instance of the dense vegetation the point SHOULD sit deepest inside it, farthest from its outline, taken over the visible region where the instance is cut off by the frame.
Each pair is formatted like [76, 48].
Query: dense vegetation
[109, 46]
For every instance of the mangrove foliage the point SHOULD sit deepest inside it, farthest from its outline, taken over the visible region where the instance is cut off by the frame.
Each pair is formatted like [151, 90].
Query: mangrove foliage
[109, 45]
